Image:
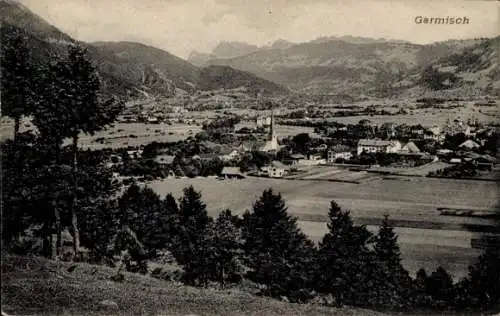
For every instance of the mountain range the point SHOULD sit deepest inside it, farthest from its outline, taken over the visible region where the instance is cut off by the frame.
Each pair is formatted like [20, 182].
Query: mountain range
[363, 66]
[127, 69]
[346, 65]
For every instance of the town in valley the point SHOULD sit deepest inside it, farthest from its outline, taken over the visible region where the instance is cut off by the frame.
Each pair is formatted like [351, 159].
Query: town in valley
[153, 173]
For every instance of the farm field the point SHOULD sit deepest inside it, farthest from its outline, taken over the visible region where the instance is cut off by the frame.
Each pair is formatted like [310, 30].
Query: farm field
[412, 203]
[120, 134]
[427, 117]
[415, 171]
[283, 130]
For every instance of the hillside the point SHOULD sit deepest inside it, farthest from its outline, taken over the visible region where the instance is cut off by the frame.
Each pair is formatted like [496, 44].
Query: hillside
[38, 286]
[354, 65]
[155, 68]
[217, 77]
[127, 70]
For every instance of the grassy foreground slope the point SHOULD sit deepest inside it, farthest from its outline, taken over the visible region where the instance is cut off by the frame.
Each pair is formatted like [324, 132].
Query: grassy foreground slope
[38, 286]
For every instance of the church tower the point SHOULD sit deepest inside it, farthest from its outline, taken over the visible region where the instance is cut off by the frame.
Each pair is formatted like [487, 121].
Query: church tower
[272, 135]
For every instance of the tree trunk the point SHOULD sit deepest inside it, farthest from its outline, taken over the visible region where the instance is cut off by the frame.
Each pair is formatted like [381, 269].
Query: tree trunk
[58, 246]
[46, 240]
[74, 218]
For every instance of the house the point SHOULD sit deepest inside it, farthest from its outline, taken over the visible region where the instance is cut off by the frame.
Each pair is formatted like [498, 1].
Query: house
[275, 169]
[229, 155]
[434, 133]
[263, 121]
[232, 173]
[486, 162]
[152, 120]
[339, 152]
[469, 145]
[444, 152]
[378, 146]
[134, 154]
[295, 158]
[114, 160]
[312, 160]
[333, 156]
[457, 127]
[164, 160]
[417, 130]
[410, 148]
[389, 129]
[205, 157]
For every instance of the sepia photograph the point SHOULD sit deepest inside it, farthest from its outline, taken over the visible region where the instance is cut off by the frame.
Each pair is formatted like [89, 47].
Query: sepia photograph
[265, 157]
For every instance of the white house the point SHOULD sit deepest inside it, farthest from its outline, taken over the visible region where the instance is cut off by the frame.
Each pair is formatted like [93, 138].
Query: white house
[313, 160]
[378, 146]
[333, 155]
[263, 121]
[275, 169]
[231, 155]
[135, 154]
[410, 148]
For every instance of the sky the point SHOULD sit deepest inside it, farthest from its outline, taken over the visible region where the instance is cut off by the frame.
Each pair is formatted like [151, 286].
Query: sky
[181, 26]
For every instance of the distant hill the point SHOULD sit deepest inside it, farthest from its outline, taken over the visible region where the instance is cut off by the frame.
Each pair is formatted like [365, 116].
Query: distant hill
[356, 65]
[155, 68]
[16, 14]
[127, 69]
[233, 49]
[217, 77]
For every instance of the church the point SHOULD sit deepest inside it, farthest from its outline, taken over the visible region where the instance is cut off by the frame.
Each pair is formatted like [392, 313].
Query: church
[271, 144]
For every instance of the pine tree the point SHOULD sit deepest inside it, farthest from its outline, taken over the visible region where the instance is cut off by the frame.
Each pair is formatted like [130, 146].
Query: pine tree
[141, 210]
[228, 242]
[71, 106]
[484, 275]
[278, 253]
[440, 287]
[193, 220]
[18, 79]
[394, 284]
[420, 284]
[216, 255]
[344, 260]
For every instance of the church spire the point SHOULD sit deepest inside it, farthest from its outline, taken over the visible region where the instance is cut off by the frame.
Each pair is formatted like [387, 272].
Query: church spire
[271, 131]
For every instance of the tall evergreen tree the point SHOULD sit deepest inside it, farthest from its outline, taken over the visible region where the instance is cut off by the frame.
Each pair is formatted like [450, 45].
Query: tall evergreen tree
[440, 287]
[216, 256]
[154, 221]
[394, 283]
[18, 79]
[278, 253]
[344, 260]
[193, 220]
[484, 276]
[72, 106]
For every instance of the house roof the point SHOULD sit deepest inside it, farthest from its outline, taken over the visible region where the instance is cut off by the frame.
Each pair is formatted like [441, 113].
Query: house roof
[278, 164]
[297, 156]
[340, 149]
[469, 144]
[411, 148]
[489, 158]
[376, 142]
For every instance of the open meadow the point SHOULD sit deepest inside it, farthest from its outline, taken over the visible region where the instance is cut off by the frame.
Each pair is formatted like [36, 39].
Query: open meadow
[426, 237]
[119, 135]
[426, 117]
